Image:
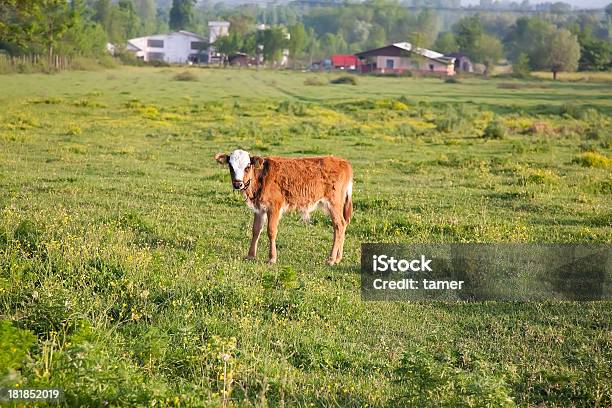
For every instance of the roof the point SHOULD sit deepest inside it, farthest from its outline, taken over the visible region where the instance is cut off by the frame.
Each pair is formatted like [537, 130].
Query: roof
[457, 55]
[181, 32]
[188, 33]
[406, 46]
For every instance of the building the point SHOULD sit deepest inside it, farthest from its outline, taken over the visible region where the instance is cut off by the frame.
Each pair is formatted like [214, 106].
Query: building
[345, 61]
[175, 48]
[462, 62]
[401, 57]
[180, 47]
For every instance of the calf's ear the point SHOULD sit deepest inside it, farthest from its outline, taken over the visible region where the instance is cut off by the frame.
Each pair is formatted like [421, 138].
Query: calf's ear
[257, 161]
[221, 158]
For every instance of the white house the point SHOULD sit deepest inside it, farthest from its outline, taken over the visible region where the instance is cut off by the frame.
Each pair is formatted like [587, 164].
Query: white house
[176, 48]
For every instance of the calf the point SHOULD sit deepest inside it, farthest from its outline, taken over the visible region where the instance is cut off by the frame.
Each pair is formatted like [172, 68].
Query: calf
[272, 185]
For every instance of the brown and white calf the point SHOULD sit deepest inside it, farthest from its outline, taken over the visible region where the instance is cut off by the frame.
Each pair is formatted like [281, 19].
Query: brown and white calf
[272, 185]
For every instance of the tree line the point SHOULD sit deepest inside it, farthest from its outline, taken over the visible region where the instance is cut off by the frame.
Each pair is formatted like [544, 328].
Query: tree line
[552, 41]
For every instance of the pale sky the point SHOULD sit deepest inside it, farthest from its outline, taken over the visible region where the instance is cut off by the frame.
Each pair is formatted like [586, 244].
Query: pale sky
[575, 3]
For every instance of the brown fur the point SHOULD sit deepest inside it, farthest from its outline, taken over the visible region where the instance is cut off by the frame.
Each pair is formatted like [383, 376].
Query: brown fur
[276, 184]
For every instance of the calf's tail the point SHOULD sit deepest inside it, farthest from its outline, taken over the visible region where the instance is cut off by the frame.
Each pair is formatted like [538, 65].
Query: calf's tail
[348, 203]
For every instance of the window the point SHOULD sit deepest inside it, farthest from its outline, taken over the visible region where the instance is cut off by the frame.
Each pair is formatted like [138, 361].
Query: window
[431, 67]
[414, 64]
[389, 63]
[155, 43]
[198, 45]
[155, 56]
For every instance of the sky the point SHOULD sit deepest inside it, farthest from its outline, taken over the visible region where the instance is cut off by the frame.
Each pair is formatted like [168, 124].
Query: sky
[575, 3]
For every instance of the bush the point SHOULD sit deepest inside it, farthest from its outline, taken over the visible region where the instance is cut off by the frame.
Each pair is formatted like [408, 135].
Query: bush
[520, 67]
[495, 130]
[128, 58]
[592, 159]
[14, 346]
[157, 63]
[452, 80]
[185, 76]
[573, 110]
[454, 119]
[314, 82]
[346, 79]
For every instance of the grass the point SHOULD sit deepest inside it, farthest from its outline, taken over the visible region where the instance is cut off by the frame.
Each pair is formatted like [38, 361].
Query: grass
[603, 76]
[121, 242]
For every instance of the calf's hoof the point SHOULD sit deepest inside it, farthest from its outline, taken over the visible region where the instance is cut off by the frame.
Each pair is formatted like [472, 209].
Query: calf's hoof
[249, 258]
[331, 261]
[271, 261]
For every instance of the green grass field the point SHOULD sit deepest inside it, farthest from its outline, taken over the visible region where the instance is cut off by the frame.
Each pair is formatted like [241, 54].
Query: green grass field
[121, 242]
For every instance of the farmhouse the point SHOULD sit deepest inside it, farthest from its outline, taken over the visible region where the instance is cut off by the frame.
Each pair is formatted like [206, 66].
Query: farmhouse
[402, 56]
[180, 47]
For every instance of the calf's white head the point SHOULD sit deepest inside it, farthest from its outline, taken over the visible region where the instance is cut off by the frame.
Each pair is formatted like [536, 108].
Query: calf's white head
[241, 166]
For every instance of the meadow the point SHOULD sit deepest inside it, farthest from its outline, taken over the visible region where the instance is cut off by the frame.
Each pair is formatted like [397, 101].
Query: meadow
[122, 279]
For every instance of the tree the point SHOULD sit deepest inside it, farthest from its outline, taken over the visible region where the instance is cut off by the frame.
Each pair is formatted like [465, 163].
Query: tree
[84, 36]
[468, 32]
[181, 14]
[560, 7]
[147, 13]
[377, 37]
[229, 44]
[426, 28]
[445, 43]
[489, 51]
[529, 36]
[563, 51]
[274, 40]
[18, 20]
[55, 18]
[520, 67]
[594, 55]
[297, 41]
[103, 13]
[127, 18]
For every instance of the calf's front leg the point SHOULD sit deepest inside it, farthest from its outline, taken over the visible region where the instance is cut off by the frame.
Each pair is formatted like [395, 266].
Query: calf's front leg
[258, 221]
[273, 218]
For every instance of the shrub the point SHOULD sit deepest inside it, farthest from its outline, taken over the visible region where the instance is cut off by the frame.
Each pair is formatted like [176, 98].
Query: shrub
[288, 107]
[29, 235]
[520, 67]
[452, 80]
[346, 79]
[314, 82]
[74, 130]
[185, 76]
[85, 64]
[574, 110]
[593, 159]
[454, 119]
[128, 58]
[540, 176]
[14, 345]
[495, 130]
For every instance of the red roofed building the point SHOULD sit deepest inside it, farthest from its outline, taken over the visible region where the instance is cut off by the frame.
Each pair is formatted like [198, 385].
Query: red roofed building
[345, 61]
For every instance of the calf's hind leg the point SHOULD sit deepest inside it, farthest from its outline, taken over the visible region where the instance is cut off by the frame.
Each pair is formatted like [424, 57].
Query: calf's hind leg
[339, 229]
